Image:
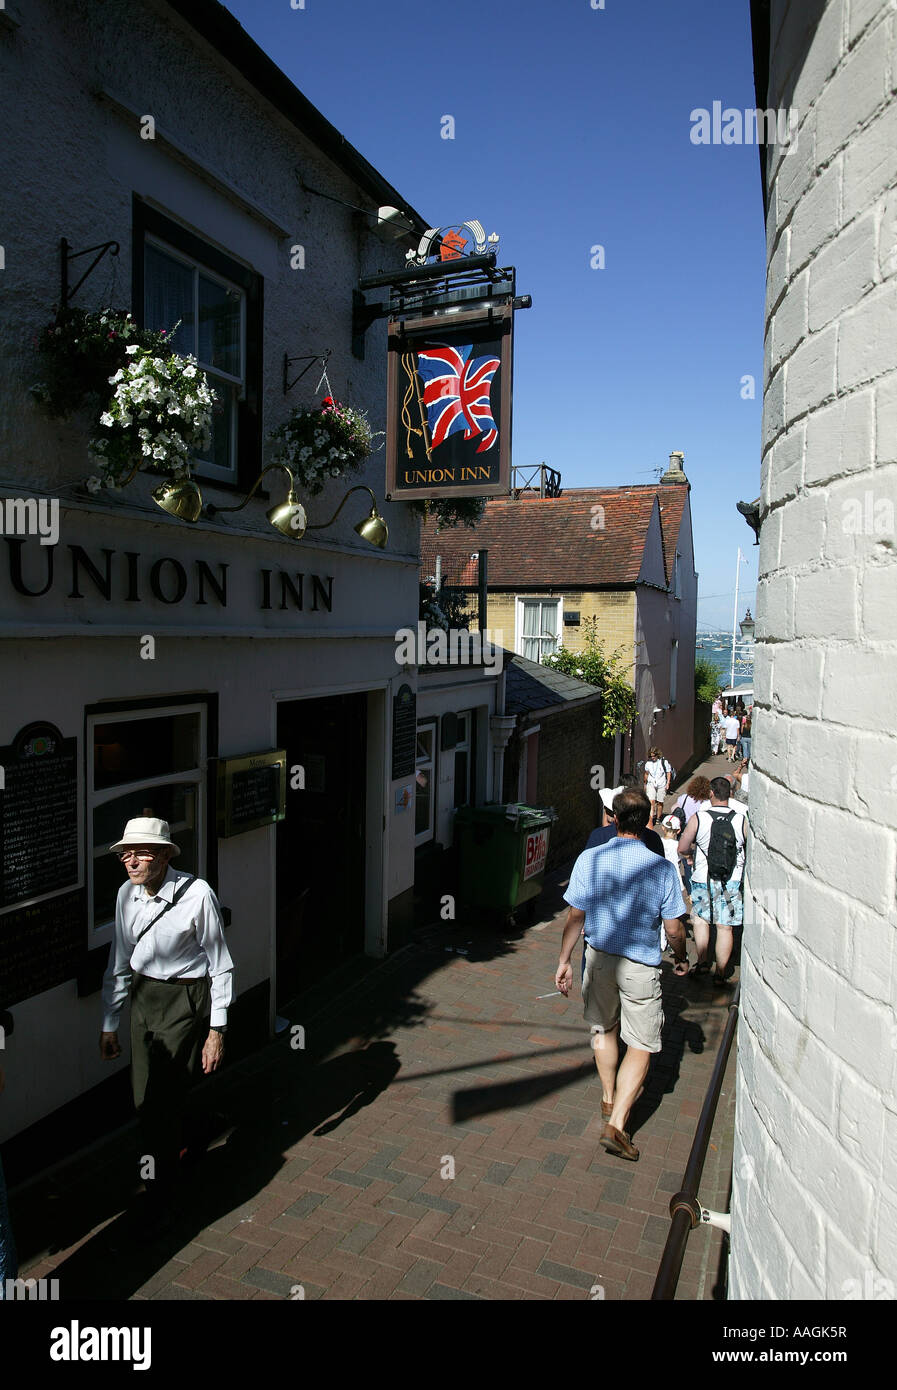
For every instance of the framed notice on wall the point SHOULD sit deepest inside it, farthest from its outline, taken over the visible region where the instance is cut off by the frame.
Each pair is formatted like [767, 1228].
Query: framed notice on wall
[38, 814]
[252, 792]
[449, 405]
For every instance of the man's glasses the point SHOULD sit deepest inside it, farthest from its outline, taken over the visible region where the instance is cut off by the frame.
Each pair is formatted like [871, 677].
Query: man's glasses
[125, 855]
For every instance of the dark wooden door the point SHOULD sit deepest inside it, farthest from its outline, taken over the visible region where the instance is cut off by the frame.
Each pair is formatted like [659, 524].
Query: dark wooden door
[320, 844]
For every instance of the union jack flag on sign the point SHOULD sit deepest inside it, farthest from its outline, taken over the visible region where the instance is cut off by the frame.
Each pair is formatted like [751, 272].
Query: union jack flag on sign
[456, 393]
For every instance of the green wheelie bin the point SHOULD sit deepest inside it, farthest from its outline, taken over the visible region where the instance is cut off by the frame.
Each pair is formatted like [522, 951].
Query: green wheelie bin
[502, 850]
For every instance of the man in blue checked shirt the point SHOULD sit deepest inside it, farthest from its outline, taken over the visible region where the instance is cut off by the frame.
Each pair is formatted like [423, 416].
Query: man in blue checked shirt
[620, 893]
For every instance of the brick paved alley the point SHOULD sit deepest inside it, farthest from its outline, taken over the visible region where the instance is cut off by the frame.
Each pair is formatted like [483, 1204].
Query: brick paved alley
[332, 1175]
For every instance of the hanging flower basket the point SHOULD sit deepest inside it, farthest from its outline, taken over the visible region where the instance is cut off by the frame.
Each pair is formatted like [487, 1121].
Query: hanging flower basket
[321, 442]
[152, 406]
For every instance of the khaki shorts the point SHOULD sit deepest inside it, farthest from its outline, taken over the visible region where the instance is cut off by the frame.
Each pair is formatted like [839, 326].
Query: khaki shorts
[618, 990]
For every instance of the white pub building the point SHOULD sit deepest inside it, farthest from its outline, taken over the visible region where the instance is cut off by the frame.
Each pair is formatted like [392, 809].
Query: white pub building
[238, 682]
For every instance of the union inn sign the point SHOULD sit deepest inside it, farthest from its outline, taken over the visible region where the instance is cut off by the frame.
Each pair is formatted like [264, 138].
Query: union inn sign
[449, 367]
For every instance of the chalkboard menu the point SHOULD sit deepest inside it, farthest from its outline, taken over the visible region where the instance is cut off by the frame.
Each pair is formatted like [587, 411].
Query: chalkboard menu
[251, 792]
[404, 732]
[41, 946]
[38, 814]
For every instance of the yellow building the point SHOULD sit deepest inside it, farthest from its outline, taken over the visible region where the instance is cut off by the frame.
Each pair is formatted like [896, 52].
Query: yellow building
[622, 556]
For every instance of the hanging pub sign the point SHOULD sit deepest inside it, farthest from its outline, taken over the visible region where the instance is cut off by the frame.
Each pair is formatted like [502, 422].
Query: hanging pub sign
[449, 404]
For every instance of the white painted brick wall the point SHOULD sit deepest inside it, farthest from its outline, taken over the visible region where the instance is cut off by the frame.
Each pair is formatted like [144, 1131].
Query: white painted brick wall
[852, 95]
[868, 339]
[810, 371]
[818, 760]
[778, 607]
[875, 772]
[839, 438]
[868, 163]
[785, 465]
[841, 273]
[816, 217]
[826, 603]
[815, 1184]
[886, 420]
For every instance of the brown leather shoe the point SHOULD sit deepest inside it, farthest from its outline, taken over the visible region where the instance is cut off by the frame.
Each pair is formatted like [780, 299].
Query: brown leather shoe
[617, 1142]
[607, 1109]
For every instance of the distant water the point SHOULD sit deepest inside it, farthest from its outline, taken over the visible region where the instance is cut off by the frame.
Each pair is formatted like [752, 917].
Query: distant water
[719, 654]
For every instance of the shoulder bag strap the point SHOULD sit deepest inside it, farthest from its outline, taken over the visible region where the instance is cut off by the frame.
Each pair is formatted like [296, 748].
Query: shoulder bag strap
[167, 908]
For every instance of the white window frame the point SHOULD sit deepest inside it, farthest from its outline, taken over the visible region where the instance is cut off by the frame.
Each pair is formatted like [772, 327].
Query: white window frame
[674, 669]
[201, 467]
[193, 776]
[425, 836]
[465, 746]
[520, 601]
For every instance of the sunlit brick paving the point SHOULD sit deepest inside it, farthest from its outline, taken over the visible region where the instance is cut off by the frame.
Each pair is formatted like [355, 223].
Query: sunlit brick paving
[443, 1145]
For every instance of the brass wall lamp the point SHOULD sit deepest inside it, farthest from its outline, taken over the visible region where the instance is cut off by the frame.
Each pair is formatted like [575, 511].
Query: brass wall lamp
[289, 517]
[372, 529]
[179, 497]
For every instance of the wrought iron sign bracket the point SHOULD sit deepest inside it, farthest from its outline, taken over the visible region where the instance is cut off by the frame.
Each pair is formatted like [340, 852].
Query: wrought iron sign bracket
[363, 315]
[65, 255]
[311, 358]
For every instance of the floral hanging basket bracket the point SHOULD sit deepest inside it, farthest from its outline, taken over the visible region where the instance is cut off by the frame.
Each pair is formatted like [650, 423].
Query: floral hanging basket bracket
[152, 405]
[321, 442]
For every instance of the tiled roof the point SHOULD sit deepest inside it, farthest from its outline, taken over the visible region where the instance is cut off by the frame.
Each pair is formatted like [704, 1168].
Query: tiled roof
[530, 686]
[552, 540]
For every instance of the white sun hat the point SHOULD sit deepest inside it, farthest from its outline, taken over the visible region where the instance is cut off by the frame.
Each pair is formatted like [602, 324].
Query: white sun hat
[146, 830]
[607, 795]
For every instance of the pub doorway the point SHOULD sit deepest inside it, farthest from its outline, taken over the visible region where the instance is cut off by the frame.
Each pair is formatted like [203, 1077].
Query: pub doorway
[321, 842]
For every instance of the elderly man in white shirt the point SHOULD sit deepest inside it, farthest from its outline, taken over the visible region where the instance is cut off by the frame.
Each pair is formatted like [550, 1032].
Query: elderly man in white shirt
[169, 953]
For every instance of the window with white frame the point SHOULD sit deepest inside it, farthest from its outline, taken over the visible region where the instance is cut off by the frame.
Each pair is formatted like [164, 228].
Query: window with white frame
[143, 763]
[538, 625]
[463, 758]
[211, 316]
[425, 783]
[674, 670]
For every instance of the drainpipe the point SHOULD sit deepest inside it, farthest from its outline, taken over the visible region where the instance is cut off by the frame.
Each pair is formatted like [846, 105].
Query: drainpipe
[501, 726]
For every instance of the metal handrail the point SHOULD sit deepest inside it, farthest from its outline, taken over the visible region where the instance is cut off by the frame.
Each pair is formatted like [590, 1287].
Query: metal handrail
[685, 1209]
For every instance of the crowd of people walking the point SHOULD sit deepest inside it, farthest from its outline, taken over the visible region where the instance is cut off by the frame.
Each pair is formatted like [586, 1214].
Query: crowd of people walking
[730, 728]
[635, 894]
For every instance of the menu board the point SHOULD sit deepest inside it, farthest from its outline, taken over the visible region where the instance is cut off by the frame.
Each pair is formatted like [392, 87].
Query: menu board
[252, 792]
[41, 946]
[404, 732]
[255, 795]
[38, 814]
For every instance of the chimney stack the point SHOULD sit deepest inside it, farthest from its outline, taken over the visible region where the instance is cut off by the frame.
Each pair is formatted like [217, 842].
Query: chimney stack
[676, 471]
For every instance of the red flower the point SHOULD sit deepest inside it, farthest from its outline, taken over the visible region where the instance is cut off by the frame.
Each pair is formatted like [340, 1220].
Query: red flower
[328, 400]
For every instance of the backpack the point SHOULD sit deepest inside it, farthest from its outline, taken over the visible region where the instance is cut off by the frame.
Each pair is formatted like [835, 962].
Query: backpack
[722, 850]
[678, 813]
[670, 770]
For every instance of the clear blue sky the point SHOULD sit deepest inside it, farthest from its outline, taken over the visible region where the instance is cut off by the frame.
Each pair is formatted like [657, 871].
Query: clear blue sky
[572, 130]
